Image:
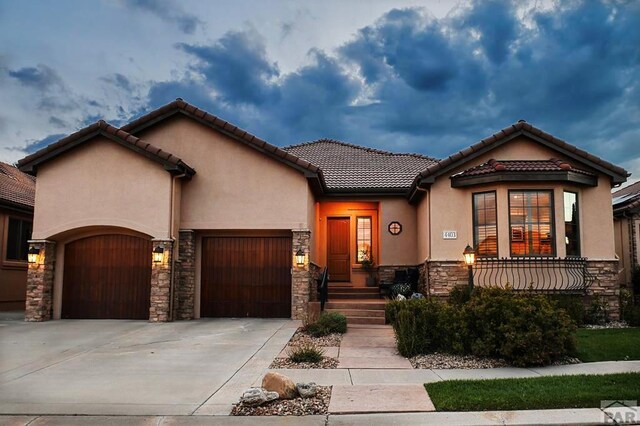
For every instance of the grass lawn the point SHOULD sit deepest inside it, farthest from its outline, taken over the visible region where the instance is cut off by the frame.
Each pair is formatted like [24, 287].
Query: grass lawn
[581, 391]
[611, 344]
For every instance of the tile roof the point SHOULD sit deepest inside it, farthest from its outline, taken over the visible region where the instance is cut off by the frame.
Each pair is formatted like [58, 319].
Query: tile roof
[522, 127]
[101, 127]
[180, 106]
[351, 167]
[16, 188]
[495, 166]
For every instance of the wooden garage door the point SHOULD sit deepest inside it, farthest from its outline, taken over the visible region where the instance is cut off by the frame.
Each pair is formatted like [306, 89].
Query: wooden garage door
[107, 276]
[246, 277]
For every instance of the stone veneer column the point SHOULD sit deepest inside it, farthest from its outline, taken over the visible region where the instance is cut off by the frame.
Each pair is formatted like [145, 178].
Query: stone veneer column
[39, 303]
[161, 283]
[606, 284]
[300, 275]
[443, 275]
[185, 282]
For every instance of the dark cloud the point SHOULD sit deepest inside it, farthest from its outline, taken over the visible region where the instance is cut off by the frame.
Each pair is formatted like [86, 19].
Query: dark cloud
[58, 122]
[119, 81]
[237, 66]
[169, 11]
[40, 77]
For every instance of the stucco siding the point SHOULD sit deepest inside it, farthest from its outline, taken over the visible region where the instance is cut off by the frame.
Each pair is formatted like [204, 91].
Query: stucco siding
[398, 249]
[235, 187]
[102, 184]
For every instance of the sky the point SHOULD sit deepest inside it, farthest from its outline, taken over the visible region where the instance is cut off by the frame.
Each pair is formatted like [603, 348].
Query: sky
[430, 77]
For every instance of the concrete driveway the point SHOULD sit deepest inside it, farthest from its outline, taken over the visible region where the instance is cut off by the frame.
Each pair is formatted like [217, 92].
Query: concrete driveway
[133, 367]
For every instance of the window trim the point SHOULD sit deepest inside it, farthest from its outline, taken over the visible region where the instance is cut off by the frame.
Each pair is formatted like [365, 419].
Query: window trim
[578, 236]
[10, 263]
[554, 249]
[474, 222]
[359, 262]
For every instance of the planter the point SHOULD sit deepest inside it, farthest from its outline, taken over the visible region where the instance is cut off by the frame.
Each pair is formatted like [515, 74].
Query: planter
[371, 282]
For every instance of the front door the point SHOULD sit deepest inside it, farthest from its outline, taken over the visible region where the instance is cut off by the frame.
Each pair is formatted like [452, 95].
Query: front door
[338, 260]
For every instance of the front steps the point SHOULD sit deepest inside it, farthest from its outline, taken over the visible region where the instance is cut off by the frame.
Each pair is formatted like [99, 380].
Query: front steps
[361, 305]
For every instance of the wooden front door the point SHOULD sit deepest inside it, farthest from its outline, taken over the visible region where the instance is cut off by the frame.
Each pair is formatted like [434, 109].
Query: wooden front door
[107, 277]
[338, 259]
[246, 277]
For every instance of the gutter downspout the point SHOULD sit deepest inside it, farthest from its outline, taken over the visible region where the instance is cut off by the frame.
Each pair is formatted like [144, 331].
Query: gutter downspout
[428, 194]
[172, 200]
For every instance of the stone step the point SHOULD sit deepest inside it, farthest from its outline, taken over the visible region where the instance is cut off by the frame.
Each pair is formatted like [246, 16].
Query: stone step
[372, 296]
[371, 313]
[365, 320]
[367, 304]
[364, 290]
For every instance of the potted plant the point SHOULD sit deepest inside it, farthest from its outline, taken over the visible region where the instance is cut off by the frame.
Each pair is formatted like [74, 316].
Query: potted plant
[368, 265]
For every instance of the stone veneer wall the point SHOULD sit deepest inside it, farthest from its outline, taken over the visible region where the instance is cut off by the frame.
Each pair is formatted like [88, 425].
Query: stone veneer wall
[39, 303]
[442, 276]
[301, 275]
[161, 284]
[185, 280]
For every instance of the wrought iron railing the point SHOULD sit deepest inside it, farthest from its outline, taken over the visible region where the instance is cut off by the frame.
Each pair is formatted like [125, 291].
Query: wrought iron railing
[541, 274]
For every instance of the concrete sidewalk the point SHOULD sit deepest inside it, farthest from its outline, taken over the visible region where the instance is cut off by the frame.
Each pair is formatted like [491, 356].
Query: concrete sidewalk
[579, 416]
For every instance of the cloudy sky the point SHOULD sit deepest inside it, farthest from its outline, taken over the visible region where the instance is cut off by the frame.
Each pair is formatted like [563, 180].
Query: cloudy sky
[404, 75]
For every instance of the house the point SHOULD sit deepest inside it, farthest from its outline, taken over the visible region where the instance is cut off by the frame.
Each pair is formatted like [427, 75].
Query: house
[626, 221]
[17, 192]
[180, 214]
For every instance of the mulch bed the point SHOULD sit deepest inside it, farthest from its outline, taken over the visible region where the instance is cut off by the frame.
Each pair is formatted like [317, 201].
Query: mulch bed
[319, 404]
[327, 362]
[300, 337]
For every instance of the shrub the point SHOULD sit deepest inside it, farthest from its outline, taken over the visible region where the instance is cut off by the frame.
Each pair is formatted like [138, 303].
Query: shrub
[572, 304]
[523, 329]
[418, 326]
[305, 353]
[460, 295]
[329, 322]
[628, 310]
[597, 312]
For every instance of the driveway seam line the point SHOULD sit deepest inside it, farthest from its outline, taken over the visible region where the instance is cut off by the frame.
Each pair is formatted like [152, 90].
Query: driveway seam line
[439, 376]
[237, 371]
[33, 420]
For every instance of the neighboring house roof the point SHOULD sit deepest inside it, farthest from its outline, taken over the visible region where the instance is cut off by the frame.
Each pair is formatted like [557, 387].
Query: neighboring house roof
[17, 189]
[353, 168]
[170, 162]
[521, 128]
[626, 199]
[179, 106]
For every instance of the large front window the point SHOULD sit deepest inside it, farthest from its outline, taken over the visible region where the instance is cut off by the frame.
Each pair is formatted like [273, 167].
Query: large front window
[485, 224]
[531, 223]
[18, 235]
[571, 224]
[363, 238]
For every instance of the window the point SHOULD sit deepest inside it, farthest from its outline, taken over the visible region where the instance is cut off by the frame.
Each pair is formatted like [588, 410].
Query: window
[485, 224]
[531, 223]
[571, 224]
[363, 238]
[18, 233]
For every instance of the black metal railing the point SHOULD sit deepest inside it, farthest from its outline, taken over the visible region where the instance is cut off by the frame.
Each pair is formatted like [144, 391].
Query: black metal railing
[323, 288]
[541, 274]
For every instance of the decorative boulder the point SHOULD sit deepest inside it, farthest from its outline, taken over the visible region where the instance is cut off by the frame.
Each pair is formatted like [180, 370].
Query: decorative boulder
[417, 296]
[257, 396]
[307, 390]
[284, 386]
[400, 297]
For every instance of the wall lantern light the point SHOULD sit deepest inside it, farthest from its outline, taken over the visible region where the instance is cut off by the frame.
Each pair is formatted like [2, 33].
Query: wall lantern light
[158, 254]
[469, 260]
[300, 257]
[32, 255]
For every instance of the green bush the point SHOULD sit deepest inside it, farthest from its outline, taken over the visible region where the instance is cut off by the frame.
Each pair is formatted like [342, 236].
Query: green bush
[597, 313]
[629, 312]
[329, 322]
[305, 353]
[572, 304]
[523, 329]
[460, 295]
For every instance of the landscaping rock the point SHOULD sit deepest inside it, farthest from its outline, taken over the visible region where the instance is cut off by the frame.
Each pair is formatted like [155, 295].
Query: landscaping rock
[257, 396]
[284, 386]
[400, 297]
[417, 296]
[307, 390]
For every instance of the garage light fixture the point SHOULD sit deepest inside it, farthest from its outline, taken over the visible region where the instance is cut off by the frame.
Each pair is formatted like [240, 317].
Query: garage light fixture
[32, 255]
[158, 254]
[300, 257]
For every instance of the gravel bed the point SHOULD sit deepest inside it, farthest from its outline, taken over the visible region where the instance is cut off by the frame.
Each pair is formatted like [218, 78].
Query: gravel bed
[300, 337]
[327, 362]
[319, 404]
[612, 324]
[442, 361]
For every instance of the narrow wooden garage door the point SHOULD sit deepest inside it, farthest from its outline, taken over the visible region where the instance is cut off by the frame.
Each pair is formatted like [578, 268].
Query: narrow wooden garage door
[107, 276]
[246, 277]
